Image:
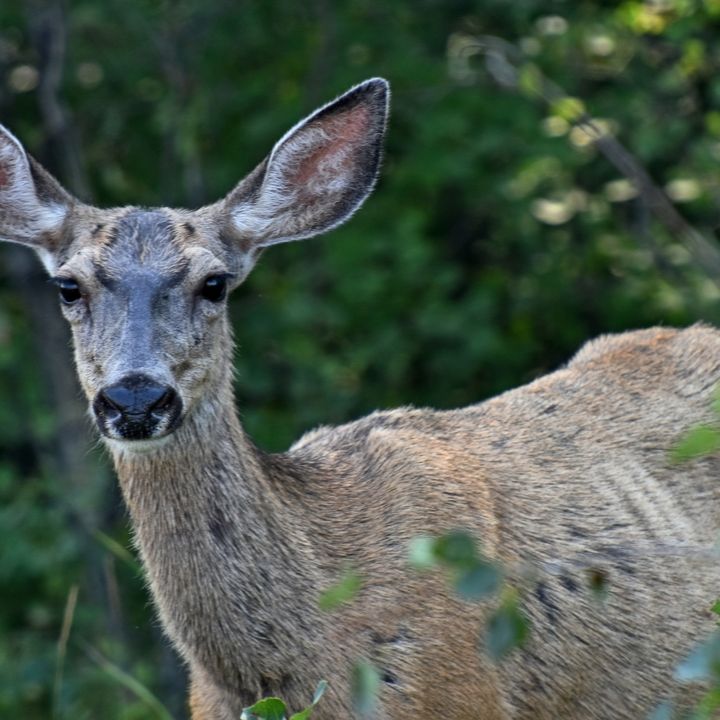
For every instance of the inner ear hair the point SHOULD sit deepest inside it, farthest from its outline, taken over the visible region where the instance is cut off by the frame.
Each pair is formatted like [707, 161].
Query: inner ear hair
[317, 174]
[33, 205]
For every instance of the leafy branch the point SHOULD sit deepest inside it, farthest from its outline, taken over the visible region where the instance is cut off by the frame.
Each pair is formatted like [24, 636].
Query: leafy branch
[509, 68]
[273, 708]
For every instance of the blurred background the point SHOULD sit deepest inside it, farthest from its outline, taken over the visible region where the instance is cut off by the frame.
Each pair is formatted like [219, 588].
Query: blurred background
[504, 232]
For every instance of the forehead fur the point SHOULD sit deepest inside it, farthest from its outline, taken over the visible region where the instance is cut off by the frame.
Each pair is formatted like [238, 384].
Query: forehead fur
[142, 239]
[164, 243]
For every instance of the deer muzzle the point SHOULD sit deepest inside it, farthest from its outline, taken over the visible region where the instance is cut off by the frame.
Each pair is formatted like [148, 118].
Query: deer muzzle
[137, 408]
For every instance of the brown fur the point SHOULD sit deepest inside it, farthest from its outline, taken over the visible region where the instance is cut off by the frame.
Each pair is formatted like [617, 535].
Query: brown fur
[568, 473]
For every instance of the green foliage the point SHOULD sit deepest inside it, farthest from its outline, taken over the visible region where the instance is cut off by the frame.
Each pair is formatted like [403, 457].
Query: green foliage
[703, 664]
[699, 441]
[275, 709]
[365, 686]
[474, 577]
[508, 628]
[663, 711]
[716, 607]
[271, 708]
[568, 108]
[341, 592]
[702, 439]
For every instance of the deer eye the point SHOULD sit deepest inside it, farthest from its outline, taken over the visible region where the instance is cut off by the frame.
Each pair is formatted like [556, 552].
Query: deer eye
[69, 290]
[214, 288]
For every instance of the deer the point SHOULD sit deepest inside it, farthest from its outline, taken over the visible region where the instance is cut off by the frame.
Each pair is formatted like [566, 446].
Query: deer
[239, 544]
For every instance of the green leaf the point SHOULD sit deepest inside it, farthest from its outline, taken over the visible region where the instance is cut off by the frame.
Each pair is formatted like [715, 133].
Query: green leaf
[422, 553]
[702, 663]
[701, 440]
[568, 108]
[341, 592]
[664, 711]
[478, 582]
[365, 685]
[708, 705]
[507, 629]
[319, 692]
[271, 708]
[456, 549]
[716, 607]
[475, 577]
[530, 80]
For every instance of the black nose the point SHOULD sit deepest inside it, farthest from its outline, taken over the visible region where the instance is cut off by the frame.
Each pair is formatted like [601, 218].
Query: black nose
[137, 406]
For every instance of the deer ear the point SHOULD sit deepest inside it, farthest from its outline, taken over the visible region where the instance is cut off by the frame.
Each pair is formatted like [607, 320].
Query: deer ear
[33, 205]
[317, 175]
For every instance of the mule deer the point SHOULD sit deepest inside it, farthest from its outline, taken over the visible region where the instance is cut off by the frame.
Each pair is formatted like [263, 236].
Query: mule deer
[238, 544]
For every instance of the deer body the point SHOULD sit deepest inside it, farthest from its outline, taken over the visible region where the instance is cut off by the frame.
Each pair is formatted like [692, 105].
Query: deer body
[567, 473]
[539, 474]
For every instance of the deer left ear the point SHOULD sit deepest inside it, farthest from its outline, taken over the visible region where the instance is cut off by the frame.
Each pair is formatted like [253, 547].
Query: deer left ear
[318, 173]
[33, 205]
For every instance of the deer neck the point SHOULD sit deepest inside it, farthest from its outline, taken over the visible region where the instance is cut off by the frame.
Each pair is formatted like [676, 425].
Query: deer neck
[228, 560]
[199, 472]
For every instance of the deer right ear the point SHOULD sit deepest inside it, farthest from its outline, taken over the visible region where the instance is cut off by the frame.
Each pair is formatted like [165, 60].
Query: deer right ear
[317, 174]
[33, 205]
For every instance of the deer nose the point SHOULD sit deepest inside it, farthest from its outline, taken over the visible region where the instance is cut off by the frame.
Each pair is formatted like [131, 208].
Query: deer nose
[137, 406]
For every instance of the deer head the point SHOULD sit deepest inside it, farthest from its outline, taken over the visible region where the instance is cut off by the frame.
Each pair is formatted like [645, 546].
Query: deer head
[144, 290]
